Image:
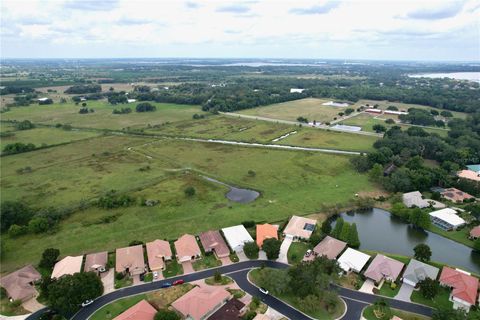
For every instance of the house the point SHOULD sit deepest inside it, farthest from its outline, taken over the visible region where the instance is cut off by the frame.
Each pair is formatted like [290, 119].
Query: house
[266, 231]
[212, 241]
[44, 99]
[455, 195]
[68, 265]
[383, 268]
[232, 310]
[475, 233]
[20, 284]
[353, 260]
[299, 228]
[469, 175]
[394, 112]
[417, 271]
[201, 302]
[414, 199]
[158, 252]
[96, 262]
[296, 90]
[130, 260]
[329, 247]
[446, 219]
[236, 237]
[371, 110]
[141, 311]
[187, 248]
[464, 287]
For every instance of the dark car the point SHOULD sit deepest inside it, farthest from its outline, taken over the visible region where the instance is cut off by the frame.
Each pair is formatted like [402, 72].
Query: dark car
[166, 285]
[177, 282]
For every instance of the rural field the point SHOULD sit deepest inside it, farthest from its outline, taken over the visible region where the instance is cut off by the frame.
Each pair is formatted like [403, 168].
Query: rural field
[289, 182]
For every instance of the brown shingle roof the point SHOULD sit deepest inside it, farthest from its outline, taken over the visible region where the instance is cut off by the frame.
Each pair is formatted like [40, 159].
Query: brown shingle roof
[329, 247]
[157, 251]
[230, 311]
[95, 260]
[18, 283]
[130, 258]
[213, 240]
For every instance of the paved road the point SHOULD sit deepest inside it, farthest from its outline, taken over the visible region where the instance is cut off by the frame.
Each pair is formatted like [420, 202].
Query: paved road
[355, 300]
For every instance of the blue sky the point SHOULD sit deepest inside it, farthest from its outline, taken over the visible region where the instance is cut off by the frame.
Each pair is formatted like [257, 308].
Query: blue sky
[385, 30]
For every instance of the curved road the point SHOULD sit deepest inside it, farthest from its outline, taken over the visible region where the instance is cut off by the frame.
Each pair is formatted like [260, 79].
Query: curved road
[355, 300]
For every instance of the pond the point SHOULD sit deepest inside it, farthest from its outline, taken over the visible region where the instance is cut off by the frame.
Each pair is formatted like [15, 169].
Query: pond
[380, 231]
[237, 194]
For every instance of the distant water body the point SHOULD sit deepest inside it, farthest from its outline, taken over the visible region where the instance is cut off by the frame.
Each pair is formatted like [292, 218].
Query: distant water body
[471, 76]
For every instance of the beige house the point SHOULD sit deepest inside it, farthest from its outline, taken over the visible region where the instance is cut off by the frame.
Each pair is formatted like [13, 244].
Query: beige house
[68, 265]
[96, 262]
[130, 260]
[300, 228]
[158, 252]
[187, 248]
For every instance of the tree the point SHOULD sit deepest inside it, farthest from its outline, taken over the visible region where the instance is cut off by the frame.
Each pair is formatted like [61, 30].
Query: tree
[352, 239]
[429, 288]
[446, 114]
[419, 218]
[251, 250]
[217, 276]
[422, 252]
[16, 230]
[49, 258]
[164, 314]
[326, 226]
[24, 125]
[145, 107]
[345, 231]
[379, 128]
[189, 191]
[272, 248]
[376, 173]
[382, 310]
[66, 294]
[38, 225]
[14, 212]
[389, 121]
[302, 119]
[361, 163]
[337, 230]
[18, 147]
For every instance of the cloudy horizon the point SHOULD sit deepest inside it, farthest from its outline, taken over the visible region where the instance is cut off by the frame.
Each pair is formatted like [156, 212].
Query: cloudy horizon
[352, 30]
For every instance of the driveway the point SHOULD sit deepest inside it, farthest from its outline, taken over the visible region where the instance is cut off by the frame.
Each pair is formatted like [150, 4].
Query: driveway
[187, 267]
[225, 261]
[367, 286]
[241, 256]
[262, 255]
[108, 281]
[32, 305]
[282, 257]
[405, 292]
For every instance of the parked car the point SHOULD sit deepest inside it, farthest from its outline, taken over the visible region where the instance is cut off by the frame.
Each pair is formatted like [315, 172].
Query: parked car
[263, 290]
[155, 274]
[177, 282]
[308, 253]
[87, 302]
[101, 269]
[166, 285]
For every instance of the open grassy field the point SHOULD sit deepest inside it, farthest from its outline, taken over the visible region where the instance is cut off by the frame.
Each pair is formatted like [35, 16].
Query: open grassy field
[102, 118]
[290, 183]
[310, 108]
[45, 136]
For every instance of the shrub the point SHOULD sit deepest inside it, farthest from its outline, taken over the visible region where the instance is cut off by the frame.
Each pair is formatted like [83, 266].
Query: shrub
[49, 258]
[145, 107]
[164, 314]
[16, 230]
[119, 275]
[189, 191]
[248, 224]
[251, 250]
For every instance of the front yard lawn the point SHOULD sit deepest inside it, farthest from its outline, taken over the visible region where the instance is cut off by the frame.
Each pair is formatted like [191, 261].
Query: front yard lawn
[440, 301]
[297, 251]
[387, 291]
[224, 281]
[125, 282]
[173, 268]
[113, 309]
[351, 281]
[369, 315]
[207, 261]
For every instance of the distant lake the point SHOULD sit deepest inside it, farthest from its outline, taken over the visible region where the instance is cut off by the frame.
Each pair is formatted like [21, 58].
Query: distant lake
[471, 76]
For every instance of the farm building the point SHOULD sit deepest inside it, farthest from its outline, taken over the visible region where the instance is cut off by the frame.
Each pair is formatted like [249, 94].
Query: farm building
[20, 284]
[187, 248]
[299, 228]
[456, 195]
[141, 311]
[335, 104]
[371, 110]
[417, 271]
[68, 265]
[464, 287]
[344, 127]
[266, 231]
[158, 252]
[212, 241]
[96, 261]
[353, 260]
[383, 268]
[236, 237]
[446, 219]
[394, 112]
[200, 302]
[130, 260]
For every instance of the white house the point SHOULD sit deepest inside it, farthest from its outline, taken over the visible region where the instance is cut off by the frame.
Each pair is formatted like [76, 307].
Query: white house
[446, 219]
[296, 90]
[414, 199]
[353, 260]
[131, 100]
[236, 237]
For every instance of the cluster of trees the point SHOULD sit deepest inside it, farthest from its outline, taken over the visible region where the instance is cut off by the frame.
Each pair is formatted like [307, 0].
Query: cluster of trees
[122, 111]
[45, 102]
[84, 88]
[145, 107]
[24, 125]
[114, 200]
[302, 119]
[116, 97]
[20, 219]
[85, 110]
[16, 90]
[421, 117]
[415, 216]
[17, 147]
[346, 232]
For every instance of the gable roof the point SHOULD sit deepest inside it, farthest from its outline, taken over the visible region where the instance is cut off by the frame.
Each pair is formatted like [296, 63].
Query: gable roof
[237, 236]
[68, 265]
[329, 247]
[414, 198]
[417, 271]
[455, 195]
[95, 260]
[475, 232]
[141, 311]
[130, 258]
[156, 251]
[353, 259]
[464, 286]
[266, 231]
[383, 267]
[448, 215]
[17, 284]
[200, 301]
[229, 311]
[214, 240]
[187, 246]
[300, 227]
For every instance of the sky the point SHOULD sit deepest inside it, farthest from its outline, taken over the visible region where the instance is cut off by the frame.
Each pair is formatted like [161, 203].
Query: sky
[374, 30]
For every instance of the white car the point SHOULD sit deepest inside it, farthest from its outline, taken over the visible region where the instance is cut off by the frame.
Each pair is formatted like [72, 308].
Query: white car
[308, 253]
[263, 290]
[155, 275]
[87, 302]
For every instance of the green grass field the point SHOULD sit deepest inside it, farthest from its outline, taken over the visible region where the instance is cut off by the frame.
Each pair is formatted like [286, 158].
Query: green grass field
[369, 315]
[310, 108]
[102, 118]
[290, 182]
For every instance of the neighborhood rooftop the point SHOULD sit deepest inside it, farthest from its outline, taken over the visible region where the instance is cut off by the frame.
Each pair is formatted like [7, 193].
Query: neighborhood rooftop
[446, 219]
[329, 247]
[456, 195]
[201, 301]
[236, 237]
[229, 311]
[18, 284]
[157, 252]
[300, 227]
[68, 265]
[187, 248]
[266, 231]
[469, 174]
[383, 267]
[417, 271]
[213, 241]
[353, 260]
[141, 311]
[464, 286]
[414, 199]
[130, 259]
[93, 261]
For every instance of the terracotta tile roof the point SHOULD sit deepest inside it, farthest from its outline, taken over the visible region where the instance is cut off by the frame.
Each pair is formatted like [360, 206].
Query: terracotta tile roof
[464, 286]
[455, 195]
[383, 267]
[329, 247]
[230, 311]
[95, 260]
[141, 311]
[266, 231]
[213, 240]
[475, 232]
[200, 301]
[68, 265]
[186, 246]
[130, 258]
[18, 283]
[157, 251]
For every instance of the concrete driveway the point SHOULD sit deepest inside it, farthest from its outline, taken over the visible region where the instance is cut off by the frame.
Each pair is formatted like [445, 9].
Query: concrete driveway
[405, 292]
[282, 257]
[108, 281]
[262, 255]
[241, 256]
[225, 261]
[187, 267]
[367, 286]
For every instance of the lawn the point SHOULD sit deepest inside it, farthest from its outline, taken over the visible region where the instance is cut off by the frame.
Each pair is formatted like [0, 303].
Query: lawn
[102, 118]
[310, 108]
[8, 308]
[387, 291]
[173, 268]
[290, 182]
[224, 281]
[440, 301]
[206, 262]
[296, 252]
[45, 136]
[460, 236]
[369, 315]
[122, 283]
